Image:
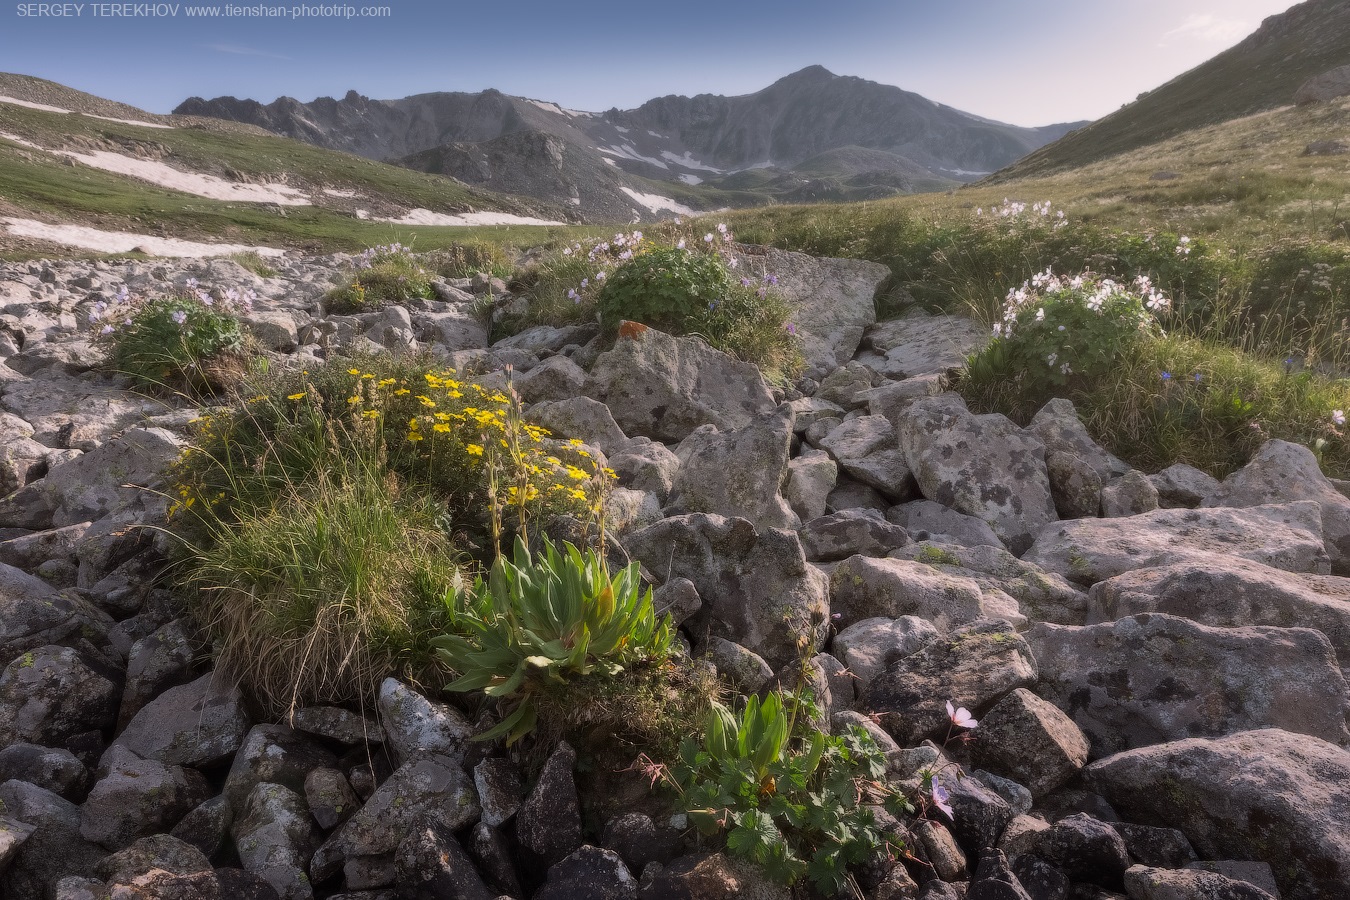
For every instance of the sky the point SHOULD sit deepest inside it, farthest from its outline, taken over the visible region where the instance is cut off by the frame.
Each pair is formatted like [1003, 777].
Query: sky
[1025, 62]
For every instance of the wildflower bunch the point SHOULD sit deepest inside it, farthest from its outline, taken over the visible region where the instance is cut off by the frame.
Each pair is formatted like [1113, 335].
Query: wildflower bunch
[1017, 211]
[189, 340]
[1054, 326]
[383, 275]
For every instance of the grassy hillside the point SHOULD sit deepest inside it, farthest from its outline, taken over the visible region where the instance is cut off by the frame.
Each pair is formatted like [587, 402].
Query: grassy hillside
[1260, 73]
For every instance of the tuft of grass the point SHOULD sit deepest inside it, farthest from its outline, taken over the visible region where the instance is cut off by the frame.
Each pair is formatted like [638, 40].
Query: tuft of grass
[253, 262]
[319, 595]
[469, 258]
[385, 276]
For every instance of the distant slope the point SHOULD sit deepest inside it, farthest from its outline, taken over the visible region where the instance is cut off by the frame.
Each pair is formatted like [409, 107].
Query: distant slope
[1262, 72]
[604, 165]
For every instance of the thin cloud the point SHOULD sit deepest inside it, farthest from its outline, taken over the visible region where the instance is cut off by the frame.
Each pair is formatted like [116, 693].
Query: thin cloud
[244, 51]
[1207, 28]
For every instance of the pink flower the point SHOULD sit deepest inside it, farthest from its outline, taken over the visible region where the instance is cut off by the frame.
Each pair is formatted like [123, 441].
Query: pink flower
[942, 800]
[961, 718]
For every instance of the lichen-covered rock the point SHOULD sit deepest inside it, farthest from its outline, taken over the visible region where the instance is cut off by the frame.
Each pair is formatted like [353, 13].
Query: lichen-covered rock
[921, 344]
[56, 769]
[849, 532]
[1086, 849]
[414, 724]
[197, 724]
[1281, 472]
[548, 824]
[44, 844]
[1130, 495]
[589, 873]
[33, 615]
[156, 663]
[1183, 486]
[810, 478]
[581, 418]
[1286, 535]
[664, 387]
[1232, 595]
[1152, 678]
[1031, 741]
[431, 865]
[973, 666]
[274, 754]
[943, 525]
[984, 466]
[642, 464]
[738, 472]
[745, 671]
[53, 693]
[500, 789]
[1149, 883]
[330, 797]
[869, 647]
[135, 798]
[1266, 795]
[275, 838]
[863, 587]
[757, 588]
[158, 851]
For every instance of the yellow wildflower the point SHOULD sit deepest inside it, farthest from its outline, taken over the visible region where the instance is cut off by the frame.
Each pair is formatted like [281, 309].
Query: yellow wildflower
[299, 396]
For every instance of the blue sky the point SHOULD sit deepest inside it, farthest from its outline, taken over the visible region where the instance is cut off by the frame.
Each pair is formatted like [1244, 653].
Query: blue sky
[1028, 62]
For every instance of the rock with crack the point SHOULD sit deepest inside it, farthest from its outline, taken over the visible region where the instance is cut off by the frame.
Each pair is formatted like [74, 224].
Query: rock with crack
[737, 472]
[921, 344]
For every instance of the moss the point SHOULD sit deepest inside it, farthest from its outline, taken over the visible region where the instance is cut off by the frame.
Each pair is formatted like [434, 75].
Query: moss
[936, 556]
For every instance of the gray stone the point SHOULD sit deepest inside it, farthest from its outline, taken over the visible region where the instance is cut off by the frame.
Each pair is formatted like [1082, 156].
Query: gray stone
[757, 588]
[984, 466]
[1230, 595]
[943, 524]
[556, 378]
[337, 724]
[273, 330]
[1076, 487]
[158, 851]
[1245, 796]
[849, 494]
[890, 398]
[869, 647]
[50, 694]
[806, 411]
[677, 598]
[949, 862]
[860, 437]
[429, 788]
[1281, 472]
[500, 789]
[738, 472]
[1030, 741]
[57, 770]
[745, 671]
[711, 876]
[921, 344]
[642, 464]
[1148, 883]
[843, 386]
[135, 798]
[848, 533]
[274, 754]
[431, 865]
[866, 588]
[1183, 486]
[664, 387]
[548, 824]
[197, 724]
[1078, 466]
[1325, 87]
[275, 838]
[157, 662]
[1130, 495]
[973, 666]
[207, 826]
[639, 840]
[1153, 846]
[1153, 678]
[1287, 536]
[810, 478]
[1257, 874]
[330, 797]
[41, 832]
[414, 725]
[589, 873]
[994, 879]
[581, 418]
[13, 833]
[1086, 849]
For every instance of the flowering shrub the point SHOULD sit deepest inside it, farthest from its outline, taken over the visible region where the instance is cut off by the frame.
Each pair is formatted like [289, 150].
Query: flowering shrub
[384, 275]
[666, 288]
[429, 429]
[1055, 327]
[191, 340]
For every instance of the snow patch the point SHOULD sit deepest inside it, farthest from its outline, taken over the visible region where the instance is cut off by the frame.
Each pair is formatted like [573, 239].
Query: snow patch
[335, 192]
[208, 186]
[656, 203]
[18, 140]
[125, 241]
[965, 172]
[656, 134]
[628, 151]
[691, 179]
[688, 162]
[14, 101]
[620, 129]
[580, 112]
[427, 217]
[128, 121]
[545, 105]
[363, 214]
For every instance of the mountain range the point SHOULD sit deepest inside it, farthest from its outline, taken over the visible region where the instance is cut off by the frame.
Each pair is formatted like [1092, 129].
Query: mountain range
[810, 136]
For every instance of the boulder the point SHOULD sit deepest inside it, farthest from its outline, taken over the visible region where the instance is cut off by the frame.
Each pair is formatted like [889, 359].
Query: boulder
[1281, 472]
[1265, 795]
[1235, 594]
[642, 464]
[711, 876]
[1031, 741]
[863, 587]
[500, 789]
[810, 478]
[428, 789]
[40, 841]
[1130, 495]
[159, 851]
[1086, 849]
[942, 524]
[1149, 883]
[51, 694]
[1325, 87]
[921, 344]
[757, 588]
[330, 797]
[664, 387]
[54, 769]
[548, 825]
[274, 754]
[1287, 536]
[843, 387]
[850, 532]
[431, 865]
[556, 378]
[1152, 678]
[870, 646]
[973, 666]
[197, 724]
[984, 466]
[1183, 486]
[275, 839]
[414, 724]
[135, 798]
[33, 615]
[738, 472]
[578, 417]
[156, 662]
[589, 873]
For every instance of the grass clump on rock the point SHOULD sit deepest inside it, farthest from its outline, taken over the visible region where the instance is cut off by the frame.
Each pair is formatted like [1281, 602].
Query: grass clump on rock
[384, 276]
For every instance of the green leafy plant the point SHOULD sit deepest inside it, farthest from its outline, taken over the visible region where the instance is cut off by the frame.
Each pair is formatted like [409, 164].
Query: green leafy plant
[797, 807]
[664, 287]
[547, 619]
[385, 275]
[188, 341]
